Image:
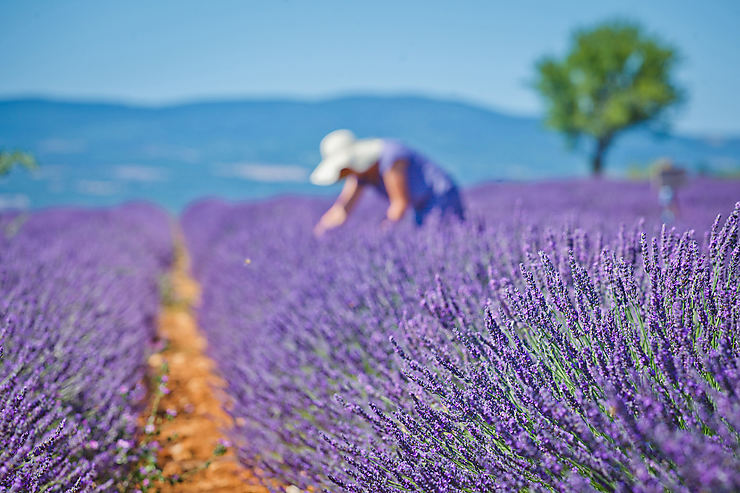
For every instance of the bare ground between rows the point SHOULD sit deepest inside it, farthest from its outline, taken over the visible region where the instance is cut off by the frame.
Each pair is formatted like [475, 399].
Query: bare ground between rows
[193, 383]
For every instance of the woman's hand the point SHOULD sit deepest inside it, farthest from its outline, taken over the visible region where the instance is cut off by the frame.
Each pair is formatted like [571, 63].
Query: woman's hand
[337, 213]
[334, 217]
[396, 184]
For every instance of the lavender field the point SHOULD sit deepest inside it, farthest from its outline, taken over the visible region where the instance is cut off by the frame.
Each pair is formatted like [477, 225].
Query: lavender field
[78, 303]
[558, 340]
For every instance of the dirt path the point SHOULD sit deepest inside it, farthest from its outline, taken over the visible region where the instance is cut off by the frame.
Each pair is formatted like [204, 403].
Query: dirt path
[192, 377]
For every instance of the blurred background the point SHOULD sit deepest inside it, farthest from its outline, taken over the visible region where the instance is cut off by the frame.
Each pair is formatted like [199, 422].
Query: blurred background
[169, 101]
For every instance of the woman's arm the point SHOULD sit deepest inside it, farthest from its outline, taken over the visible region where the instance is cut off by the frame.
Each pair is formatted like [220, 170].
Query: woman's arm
[338, 212]
[396, 184]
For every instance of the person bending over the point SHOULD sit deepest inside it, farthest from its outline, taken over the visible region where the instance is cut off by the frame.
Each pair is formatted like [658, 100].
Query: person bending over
[404, 176]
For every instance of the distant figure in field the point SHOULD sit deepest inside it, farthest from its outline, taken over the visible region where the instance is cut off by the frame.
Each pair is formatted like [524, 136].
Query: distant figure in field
[668, 179]
[407, 178]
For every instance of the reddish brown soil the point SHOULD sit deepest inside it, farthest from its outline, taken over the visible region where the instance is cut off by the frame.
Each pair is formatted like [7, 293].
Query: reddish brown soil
[193, 385]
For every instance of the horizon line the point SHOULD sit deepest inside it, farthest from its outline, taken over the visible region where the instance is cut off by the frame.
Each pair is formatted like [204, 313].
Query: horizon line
[265, 97]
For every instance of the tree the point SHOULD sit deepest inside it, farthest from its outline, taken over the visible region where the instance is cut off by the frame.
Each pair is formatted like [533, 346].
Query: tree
[9, 159]
[614, 77]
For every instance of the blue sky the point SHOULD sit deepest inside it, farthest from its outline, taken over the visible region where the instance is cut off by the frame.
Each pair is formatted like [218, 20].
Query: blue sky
[158, 52]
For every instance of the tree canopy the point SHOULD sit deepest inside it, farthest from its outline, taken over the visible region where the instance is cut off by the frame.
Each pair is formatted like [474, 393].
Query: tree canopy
[8, 159]
[614, 77]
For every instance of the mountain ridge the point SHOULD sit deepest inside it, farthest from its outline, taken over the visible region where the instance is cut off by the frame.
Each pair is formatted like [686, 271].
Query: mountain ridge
[104, 152]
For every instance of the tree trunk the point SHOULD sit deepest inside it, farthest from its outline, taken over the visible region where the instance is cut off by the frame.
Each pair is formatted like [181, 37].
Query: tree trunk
[597, 160]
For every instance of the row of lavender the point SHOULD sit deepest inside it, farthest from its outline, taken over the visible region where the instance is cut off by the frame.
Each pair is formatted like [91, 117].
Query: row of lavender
[554, 341]
[77, 321]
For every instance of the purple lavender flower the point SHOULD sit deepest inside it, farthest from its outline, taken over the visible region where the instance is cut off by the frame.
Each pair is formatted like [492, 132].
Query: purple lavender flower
[78, 306]
[560, 339]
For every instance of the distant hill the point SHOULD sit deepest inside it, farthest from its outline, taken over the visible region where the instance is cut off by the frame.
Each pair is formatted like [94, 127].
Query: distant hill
[95, 153]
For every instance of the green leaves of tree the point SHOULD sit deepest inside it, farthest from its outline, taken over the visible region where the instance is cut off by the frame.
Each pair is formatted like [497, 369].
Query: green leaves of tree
[8, 159]
[614, 77]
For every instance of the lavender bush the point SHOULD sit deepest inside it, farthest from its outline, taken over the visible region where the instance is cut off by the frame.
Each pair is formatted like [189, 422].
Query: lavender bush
[77, 320]
[554, 341]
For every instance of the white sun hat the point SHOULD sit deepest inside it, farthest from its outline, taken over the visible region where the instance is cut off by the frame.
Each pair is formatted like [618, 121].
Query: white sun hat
[341, 149]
